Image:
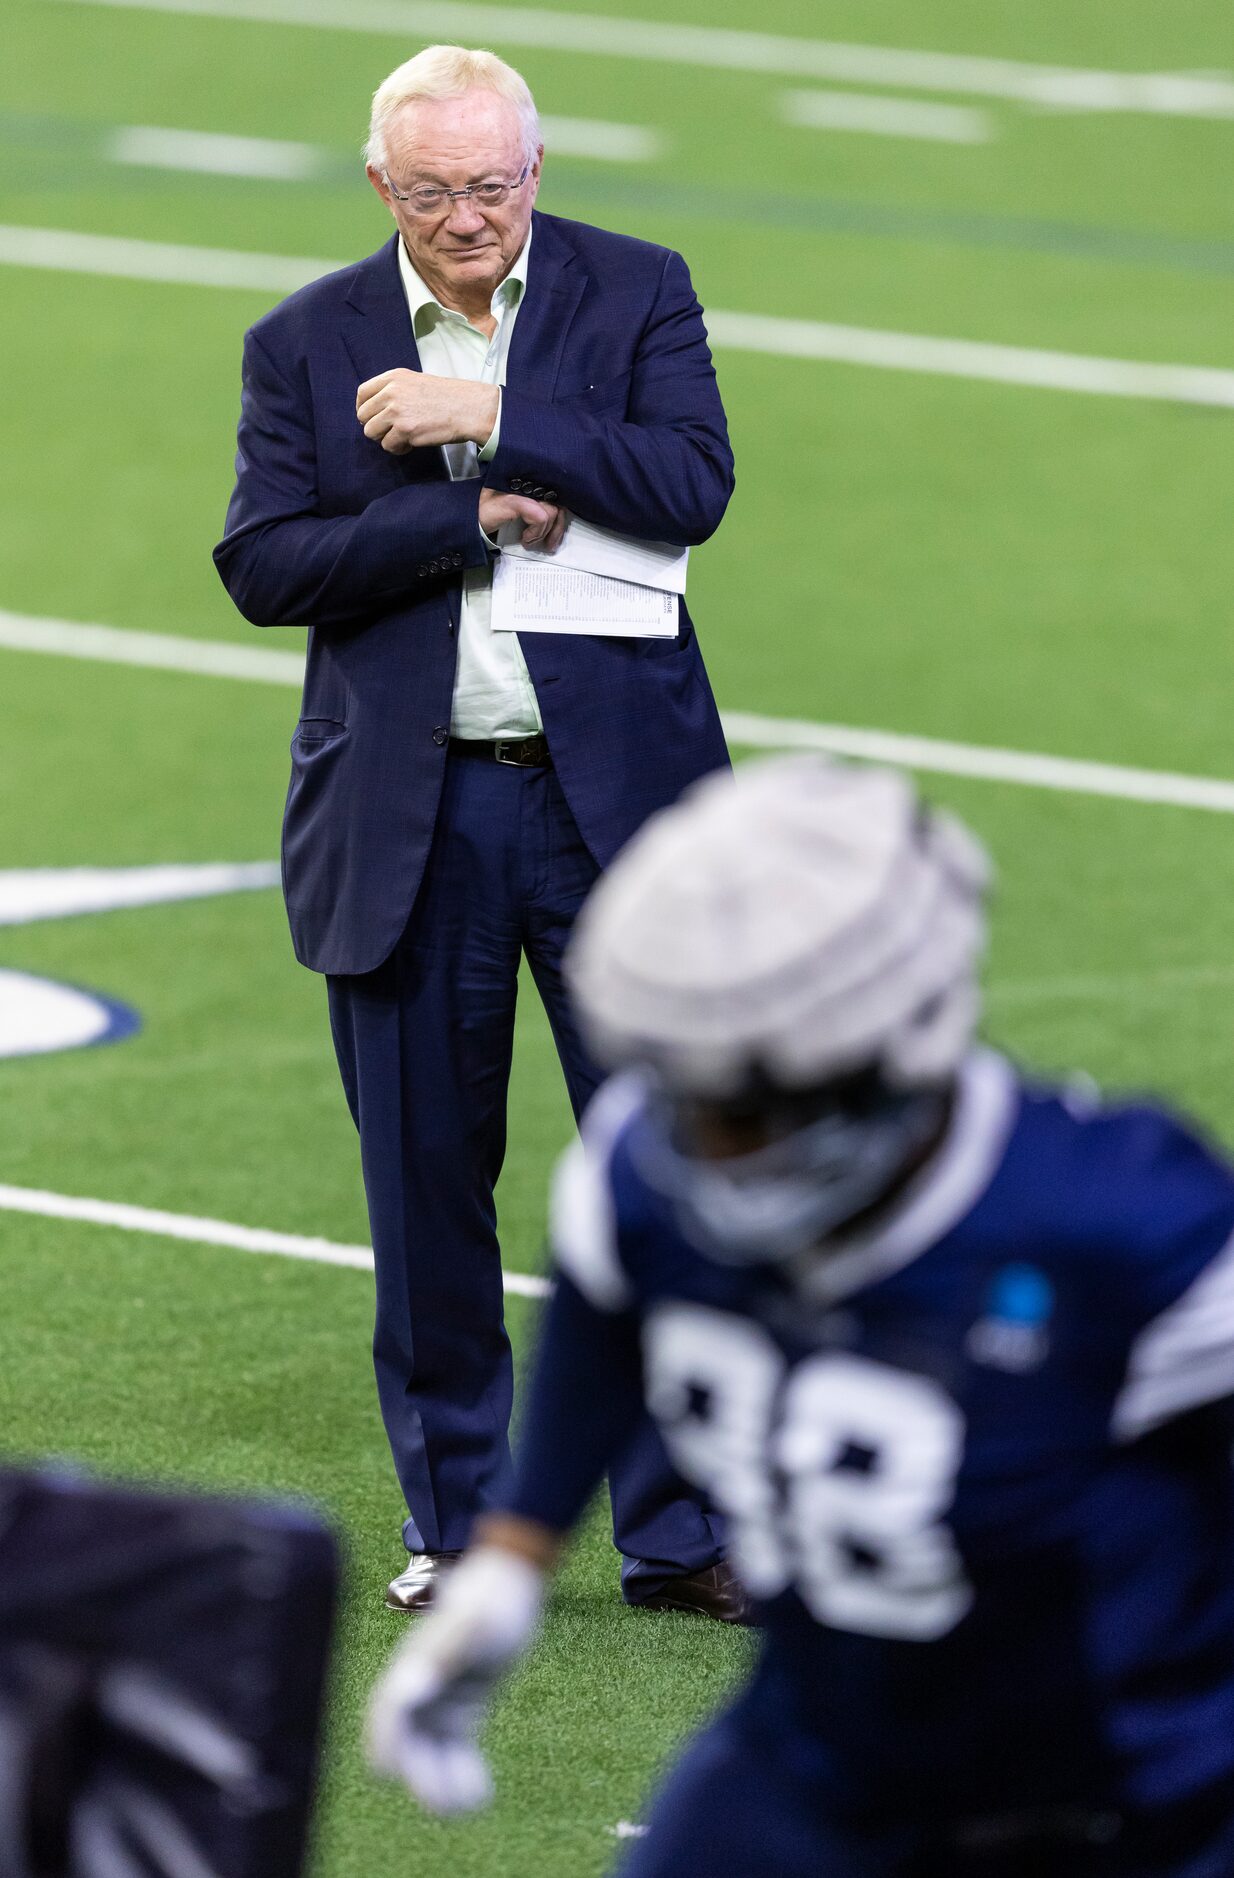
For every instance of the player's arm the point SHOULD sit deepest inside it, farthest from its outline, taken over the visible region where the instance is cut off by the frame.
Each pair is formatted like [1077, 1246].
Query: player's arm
[428, 1707]
[284, 564]
[659, 467]
[1179, 1286]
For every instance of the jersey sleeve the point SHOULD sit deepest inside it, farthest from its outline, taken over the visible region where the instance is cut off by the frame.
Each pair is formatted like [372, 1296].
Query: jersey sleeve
[586, 1393]
[586, 1399]
[583, 1225]
[1181, 1353]
[1184, 1357]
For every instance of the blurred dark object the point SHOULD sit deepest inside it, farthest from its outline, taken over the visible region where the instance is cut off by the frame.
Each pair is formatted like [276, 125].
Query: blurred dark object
[161, 1669]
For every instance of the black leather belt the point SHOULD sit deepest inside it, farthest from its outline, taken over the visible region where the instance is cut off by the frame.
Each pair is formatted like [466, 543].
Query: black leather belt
[518, 752]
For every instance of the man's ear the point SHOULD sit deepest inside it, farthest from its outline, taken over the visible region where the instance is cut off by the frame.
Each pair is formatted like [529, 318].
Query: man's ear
[379, 184]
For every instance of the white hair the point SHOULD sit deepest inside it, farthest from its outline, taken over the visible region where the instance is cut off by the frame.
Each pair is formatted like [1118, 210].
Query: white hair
[448, 72]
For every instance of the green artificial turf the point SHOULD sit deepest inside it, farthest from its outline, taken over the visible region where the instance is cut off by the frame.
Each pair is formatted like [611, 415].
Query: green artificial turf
[952, 559]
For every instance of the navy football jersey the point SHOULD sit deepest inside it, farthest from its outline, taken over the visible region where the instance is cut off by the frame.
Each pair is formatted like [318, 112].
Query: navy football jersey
[975, 1461]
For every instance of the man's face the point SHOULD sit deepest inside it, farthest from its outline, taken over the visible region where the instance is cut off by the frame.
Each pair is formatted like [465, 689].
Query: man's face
[462, 250]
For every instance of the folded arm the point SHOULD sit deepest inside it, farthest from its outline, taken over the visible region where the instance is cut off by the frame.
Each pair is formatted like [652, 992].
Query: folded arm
[663, 469]
[284, 564]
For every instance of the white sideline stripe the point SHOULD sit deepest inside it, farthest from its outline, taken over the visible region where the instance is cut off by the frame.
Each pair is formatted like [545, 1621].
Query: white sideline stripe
[64, 250]
[885, 117]
[215, 1232]
[147, 146]
[116, 645]
[987, 765]
[1173, 94]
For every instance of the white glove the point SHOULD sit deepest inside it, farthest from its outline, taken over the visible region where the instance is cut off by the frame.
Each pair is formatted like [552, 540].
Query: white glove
[428, 1706]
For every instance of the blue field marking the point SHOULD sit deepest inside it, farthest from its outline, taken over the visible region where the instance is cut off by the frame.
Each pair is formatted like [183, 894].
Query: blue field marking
[44, 1016]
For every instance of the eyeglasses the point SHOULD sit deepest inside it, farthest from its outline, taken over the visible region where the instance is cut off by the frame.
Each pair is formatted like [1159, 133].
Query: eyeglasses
[430, 201]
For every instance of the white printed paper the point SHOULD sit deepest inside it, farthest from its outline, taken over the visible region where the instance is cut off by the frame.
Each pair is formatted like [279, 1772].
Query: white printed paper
[533, 594]
[588, 549]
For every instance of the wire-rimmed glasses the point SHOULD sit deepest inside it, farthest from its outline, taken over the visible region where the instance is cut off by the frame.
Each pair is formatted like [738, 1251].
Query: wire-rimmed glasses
[427, 199]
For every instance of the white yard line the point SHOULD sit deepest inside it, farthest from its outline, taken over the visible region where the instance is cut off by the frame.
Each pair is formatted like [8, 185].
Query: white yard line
[214, 1232]
[886, 117]
[64, 250]
[114, 645]
[1172, 94]
[984, 764]
[28, 894]
[596, 137]
[148, 146]
[1025, 366]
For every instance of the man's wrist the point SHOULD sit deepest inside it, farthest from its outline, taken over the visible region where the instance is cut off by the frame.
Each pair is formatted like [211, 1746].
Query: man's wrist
[487, 421]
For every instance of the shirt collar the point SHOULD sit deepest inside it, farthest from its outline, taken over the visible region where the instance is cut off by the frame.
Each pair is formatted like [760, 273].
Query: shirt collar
[508, 292]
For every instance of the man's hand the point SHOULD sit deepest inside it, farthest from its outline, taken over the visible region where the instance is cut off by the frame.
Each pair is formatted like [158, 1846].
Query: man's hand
[543, 523]
[428, 1707]
[404, 410]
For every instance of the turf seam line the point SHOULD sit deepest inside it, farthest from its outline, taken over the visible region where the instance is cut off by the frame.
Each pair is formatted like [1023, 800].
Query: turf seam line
[1028, 367]
[218, 1232]
[1050, 87]
[216, 659]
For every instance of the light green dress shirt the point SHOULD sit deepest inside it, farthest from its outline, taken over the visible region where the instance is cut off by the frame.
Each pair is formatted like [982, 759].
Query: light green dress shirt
[493, 692]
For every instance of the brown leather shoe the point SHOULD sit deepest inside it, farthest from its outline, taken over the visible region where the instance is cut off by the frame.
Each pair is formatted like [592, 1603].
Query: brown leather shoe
[416, 1588]
[716, 1592]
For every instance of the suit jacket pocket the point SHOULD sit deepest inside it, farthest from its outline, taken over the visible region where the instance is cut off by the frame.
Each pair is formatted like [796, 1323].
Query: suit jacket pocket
[314, 730]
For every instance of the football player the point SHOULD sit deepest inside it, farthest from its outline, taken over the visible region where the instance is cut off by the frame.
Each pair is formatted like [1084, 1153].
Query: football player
[953, 1352]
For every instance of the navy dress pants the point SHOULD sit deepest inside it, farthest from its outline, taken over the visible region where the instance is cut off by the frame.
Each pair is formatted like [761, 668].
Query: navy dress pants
[424, 1045]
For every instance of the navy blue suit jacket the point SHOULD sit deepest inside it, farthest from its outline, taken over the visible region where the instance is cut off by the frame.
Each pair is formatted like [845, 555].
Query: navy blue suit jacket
[611, 402]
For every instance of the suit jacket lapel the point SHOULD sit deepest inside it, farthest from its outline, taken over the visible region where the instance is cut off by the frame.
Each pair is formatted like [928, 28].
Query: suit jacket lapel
[377, 329]
[555, 284]
[376, 324]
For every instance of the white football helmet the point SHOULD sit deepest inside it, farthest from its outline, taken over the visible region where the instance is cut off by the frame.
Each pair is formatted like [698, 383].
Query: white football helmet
[798, 939]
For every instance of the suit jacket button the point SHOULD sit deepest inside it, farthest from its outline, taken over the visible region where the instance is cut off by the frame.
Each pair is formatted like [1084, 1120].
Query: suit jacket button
[441, 736]
[550, 495]
[516, 485]
[421, 570]
[539, 491]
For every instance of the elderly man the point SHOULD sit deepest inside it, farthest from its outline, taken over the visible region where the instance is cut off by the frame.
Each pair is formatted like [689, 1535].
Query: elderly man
[455, 789]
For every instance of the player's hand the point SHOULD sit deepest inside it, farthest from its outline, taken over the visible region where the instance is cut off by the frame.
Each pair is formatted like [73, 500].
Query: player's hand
[428, 1707]
[403, 410]
[543, 523]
